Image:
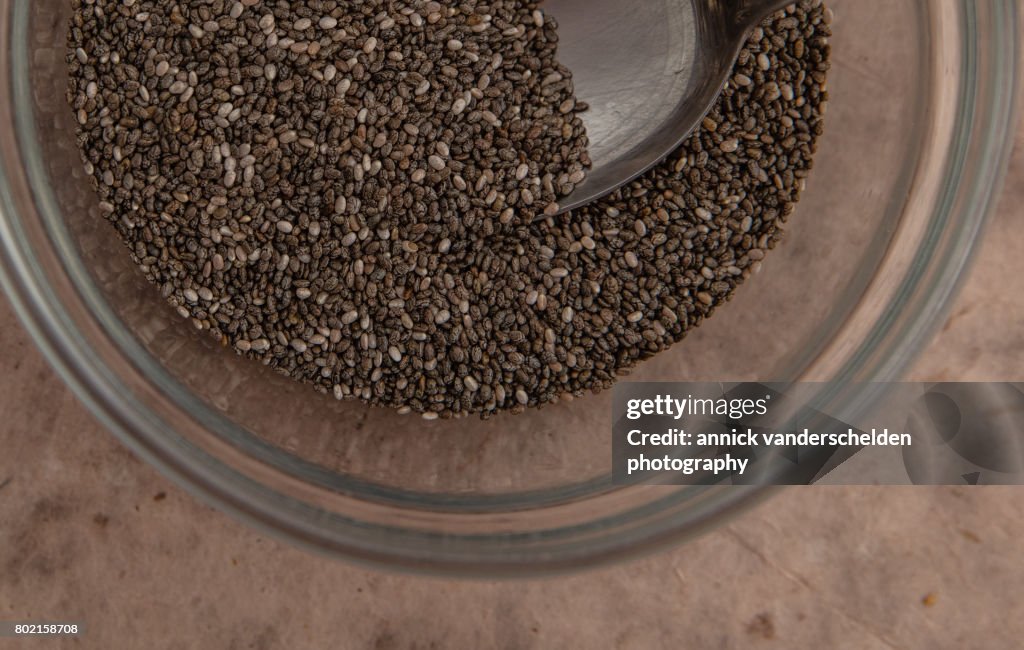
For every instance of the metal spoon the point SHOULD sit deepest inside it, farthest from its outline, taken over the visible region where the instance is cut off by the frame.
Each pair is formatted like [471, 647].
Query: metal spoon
[650, 70]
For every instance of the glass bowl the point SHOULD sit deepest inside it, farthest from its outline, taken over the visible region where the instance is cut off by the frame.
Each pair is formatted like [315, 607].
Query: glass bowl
[918, 131]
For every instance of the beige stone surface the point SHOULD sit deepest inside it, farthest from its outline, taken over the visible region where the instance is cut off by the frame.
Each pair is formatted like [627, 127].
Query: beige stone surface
[90, 533]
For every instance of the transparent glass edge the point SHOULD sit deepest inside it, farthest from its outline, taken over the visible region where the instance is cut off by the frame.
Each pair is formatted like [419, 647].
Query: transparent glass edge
[931, 290]
[984, 197]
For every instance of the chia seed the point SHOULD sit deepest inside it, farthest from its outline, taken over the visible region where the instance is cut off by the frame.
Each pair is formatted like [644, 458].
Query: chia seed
[280, 179]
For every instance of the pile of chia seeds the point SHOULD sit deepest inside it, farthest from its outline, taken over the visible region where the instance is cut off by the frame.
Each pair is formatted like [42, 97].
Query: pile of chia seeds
[339, 220]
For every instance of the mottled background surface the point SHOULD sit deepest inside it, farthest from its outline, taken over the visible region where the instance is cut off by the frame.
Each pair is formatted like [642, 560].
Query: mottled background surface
[90, 533]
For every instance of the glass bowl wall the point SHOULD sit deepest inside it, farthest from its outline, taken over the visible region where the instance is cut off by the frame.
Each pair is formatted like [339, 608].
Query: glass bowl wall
[918, 131]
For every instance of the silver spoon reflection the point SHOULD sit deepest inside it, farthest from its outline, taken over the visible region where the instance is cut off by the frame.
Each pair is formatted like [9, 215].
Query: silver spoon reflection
[650, 70]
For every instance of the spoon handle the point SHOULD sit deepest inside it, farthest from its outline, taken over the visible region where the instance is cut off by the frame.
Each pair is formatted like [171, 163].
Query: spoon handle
[744, 15]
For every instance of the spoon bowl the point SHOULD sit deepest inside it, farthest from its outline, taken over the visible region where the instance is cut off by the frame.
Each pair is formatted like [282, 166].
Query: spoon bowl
[650, 71]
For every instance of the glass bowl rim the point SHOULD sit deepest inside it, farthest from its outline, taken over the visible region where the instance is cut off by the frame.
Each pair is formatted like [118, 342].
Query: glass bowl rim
[960, 216]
